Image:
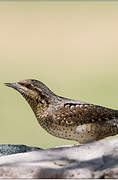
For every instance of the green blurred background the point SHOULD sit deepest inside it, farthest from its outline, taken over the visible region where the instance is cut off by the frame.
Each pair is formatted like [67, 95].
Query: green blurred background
[70, 46]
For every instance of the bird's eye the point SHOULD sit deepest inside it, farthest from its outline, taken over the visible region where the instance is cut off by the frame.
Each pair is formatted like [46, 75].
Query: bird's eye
[29, 86]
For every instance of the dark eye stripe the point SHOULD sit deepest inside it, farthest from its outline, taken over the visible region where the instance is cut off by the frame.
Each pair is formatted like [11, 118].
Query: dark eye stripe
[29, 86]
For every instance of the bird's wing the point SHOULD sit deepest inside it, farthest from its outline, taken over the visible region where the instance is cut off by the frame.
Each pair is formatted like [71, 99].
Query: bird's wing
[82, 113]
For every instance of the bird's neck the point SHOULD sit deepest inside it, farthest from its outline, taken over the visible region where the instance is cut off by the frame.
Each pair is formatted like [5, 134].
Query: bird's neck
[39, 106]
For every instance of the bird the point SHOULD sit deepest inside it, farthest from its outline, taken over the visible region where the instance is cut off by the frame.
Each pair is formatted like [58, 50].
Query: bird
[67, 118]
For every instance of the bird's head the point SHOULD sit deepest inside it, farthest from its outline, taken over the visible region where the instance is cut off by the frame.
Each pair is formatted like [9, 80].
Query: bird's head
[34, 91]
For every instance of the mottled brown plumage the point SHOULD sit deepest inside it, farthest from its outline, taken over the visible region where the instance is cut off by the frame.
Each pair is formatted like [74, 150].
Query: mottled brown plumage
[66, 118]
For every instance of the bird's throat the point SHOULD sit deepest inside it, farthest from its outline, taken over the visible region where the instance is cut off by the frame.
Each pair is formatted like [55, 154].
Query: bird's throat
[38, 106]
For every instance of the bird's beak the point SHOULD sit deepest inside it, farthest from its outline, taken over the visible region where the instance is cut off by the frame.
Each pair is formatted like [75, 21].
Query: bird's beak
[16, 86]
[13, 85]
